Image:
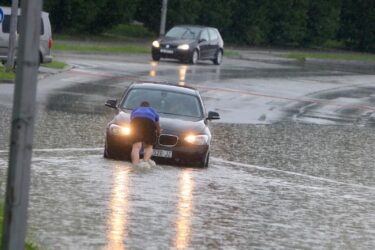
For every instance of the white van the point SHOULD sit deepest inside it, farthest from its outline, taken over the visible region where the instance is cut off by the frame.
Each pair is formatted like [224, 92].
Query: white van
[45, 36]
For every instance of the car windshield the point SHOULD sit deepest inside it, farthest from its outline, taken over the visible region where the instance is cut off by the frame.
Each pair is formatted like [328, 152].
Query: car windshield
[166, 103]
[184, 32]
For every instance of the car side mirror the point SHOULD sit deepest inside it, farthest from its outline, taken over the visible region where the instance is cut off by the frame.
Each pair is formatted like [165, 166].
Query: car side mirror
[111, 104]
[213, 116]
[202, 40]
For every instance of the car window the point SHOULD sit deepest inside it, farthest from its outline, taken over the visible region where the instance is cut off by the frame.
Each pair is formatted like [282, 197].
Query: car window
[165, 102]
[204, 35]
[184, 32]
[6, 25]
[213, 34]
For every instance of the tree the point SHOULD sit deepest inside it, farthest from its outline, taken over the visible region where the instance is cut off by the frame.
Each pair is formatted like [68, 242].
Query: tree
[357, 28]
[88, 16]
[323, 21]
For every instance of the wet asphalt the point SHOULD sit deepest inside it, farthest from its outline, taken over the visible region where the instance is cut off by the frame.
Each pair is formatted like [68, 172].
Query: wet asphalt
[289, 182]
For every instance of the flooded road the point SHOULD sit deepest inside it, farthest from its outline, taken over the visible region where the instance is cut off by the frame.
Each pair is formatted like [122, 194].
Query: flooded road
[276, 180]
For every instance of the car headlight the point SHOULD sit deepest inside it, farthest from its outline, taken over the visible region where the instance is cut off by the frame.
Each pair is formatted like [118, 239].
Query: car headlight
[119, 130]
[197, 139]
[183, 47]
[156, 44]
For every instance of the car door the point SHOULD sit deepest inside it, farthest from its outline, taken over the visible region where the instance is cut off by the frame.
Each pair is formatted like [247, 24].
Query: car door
[204, 44]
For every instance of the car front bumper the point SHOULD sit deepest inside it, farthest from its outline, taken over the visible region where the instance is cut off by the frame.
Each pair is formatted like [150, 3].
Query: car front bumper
[122, 145]
[174, 53]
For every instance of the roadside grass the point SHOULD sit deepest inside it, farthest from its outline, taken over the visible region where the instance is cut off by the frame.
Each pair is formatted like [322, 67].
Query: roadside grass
[231, 53]
[302, 56]
[55, 65]
[4, 75]
[28, 245]
[11, 75]
[104, 48]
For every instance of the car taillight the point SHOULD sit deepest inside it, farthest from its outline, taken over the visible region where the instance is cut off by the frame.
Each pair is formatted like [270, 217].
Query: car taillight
[50, 43]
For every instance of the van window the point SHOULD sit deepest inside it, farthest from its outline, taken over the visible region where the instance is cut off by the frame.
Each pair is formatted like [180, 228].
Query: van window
[6, 25]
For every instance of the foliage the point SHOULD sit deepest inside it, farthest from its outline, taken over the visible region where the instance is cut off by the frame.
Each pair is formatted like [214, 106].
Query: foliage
[357, 27]
[302, 23]
[89, 16]
[323, 21]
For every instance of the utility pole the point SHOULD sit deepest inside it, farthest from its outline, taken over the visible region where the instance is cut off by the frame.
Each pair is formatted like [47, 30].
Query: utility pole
[12, 35]
[163, 17]
[18, 182]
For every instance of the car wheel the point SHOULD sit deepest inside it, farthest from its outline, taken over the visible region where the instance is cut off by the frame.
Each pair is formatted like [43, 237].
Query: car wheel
[219, 57]
[203, 163]
[194, 57]
[155, 56]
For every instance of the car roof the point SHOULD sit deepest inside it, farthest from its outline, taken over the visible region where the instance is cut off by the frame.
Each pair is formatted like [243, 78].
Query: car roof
[195, 26]
[166, 86]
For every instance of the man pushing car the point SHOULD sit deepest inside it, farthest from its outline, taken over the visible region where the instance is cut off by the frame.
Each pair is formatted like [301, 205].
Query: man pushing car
[144, 122]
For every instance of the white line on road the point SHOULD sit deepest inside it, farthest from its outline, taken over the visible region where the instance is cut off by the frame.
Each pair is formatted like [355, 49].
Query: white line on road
[291, 173]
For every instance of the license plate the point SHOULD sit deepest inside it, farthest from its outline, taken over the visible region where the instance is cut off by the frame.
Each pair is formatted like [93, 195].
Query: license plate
[162, 153]
[166, 51]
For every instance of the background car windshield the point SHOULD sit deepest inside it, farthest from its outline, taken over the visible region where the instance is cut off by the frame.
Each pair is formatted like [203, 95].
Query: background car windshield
[165, 102]
[184, 32]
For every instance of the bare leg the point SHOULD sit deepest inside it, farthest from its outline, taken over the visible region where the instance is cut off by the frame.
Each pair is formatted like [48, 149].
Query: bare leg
[147, 152]
[135, 152]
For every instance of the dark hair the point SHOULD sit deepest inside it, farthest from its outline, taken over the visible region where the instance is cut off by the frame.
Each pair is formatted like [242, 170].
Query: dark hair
[145, 104]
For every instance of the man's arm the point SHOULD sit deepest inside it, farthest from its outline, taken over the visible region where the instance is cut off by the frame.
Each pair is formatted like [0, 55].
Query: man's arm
[157, 125]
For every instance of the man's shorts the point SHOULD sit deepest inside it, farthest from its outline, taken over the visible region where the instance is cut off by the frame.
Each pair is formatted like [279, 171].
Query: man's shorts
[143, 130]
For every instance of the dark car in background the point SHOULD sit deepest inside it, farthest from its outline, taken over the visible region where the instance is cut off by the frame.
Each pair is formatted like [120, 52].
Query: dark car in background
[189, 43]
[185, 136]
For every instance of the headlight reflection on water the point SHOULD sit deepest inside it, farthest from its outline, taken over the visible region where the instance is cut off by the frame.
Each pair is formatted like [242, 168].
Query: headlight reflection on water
[119, 205]
[184, 207]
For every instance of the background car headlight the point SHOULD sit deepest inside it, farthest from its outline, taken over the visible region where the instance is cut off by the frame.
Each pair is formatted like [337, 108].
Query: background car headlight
[156, 44]
[183, 46]
[197, 139]
[118, 130]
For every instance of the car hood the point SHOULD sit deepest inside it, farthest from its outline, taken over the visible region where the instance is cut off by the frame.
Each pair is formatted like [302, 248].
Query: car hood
[169, 125]
[176, 41]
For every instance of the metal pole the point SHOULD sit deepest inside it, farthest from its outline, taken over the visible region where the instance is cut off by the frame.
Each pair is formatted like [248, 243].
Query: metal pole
[12, 35]
[18, 182]
[163, 16]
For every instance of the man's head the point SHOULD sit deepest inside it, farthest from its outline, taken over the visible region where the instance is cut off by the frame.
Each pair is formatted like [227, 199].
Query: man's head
[145, 104]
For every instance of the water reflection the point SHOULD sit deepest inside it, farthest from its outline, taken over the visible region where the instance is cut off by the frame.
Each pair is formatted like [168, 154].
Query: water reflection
[184, 206]
[119, 205]
[153, 65]
[182, 74]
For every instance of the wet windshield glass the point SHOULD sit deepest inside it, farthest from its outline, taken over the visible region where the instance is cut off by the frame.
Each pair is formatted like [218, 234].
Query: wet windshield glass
[184, 32]
[165, 102]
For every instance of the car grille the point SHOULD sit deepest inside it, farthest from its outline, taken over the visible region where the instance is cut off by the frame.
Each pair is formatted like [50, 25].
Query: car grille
[168, 140]
[168, 46]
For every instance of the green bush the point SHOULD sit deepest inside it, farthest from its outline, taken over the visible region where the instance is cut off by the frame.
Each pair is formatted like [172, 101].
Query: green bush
[131, 30]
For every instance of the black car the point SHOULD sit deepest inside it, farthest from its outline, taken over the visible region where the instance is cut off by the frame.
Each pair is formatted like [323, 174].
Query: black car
[189, 43]
[185, 136]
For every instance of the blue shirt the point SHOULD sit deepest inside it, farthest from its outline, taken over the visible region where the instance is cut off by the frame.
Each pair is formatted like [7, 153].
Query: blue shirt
[145, 112]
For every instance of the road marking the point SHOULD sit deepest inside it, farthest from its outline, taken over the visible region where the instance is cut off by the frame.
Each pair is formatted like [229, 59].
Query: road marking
[290, 173]
[218, 160]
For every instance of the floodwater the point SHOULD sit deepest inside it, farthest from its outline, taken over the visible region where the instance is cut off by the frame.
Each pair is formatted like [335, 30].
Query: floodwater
[275, 181]
[283, 186]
